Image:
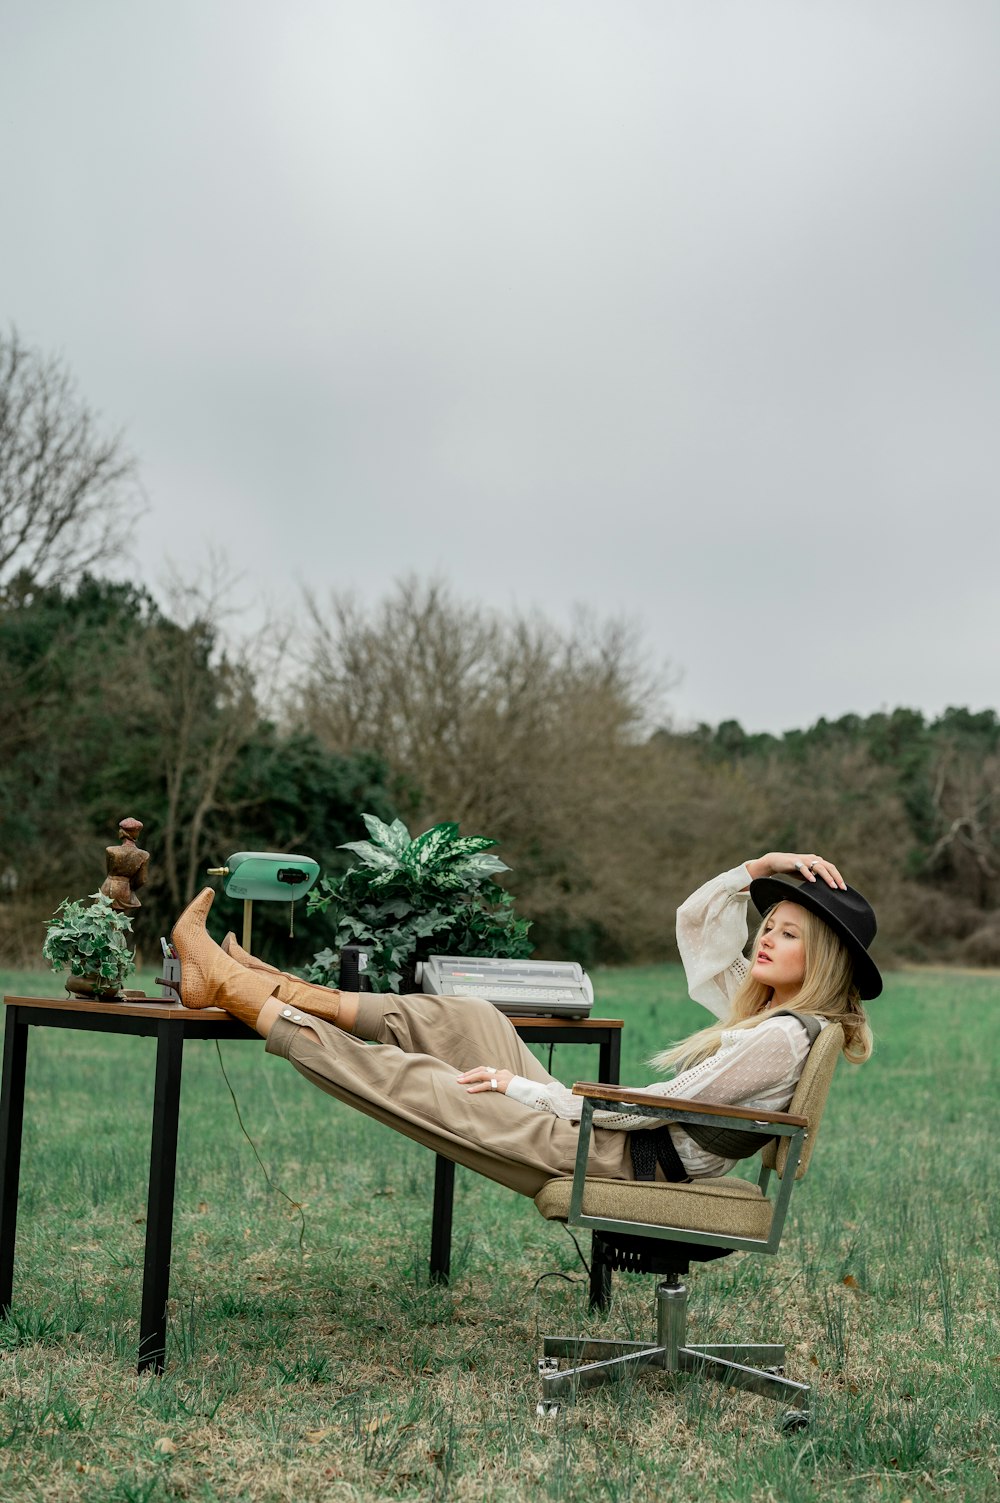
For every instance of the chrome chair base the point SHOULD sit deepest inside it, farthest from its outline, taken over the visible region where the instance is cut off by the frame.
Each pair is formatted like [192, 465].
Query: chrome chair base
[756, 1366]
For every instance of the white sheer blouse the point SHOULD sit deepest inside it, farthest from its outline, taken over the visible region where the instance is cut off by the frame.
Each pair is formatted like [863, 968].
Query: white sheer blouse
[755, 1068]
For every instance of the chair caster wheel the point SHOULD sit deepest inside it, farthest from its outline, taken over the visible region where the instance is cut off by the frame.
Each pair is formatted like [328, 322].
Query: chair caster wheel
[546, 1411]
[794, 1419]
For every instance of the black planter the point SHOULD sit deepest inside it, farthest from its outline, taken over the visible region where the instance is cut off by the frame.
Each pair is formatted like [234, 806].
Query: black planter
[353, 977]
[408, 980]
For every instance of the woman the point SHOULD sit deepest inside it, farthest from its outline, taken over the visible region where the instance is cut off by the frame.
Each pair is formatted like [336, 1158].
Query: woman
[428, 1081]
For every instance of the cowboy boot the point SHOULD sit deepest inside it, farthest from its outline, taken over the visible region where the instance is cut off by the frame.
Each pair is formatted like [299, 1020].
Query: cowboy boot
[236, 952]
[208, 977]
[211, 978]
[322, 1001]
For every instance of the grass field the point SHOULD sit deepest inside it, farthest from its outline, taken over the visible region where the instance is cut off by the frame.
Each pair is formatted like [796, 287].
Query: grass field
[321, 1364]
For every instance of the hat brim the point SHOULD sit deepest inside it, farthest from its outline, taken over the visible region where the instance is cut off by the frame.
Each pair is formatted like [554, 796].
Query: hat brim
[766, 891]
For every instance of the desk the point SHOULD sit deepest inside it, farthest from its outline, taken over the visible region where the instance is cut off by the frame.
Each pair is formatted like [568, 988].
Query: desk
[171, 1024]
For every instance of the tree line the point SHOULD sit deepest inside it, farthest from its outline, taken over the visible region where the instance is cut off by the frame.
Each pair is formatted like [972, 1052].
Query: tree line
[556, 741]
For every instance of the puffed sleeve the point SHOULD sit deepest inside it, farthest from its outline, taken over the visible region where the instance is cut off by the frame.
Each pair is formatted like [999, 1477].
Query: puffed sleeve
[711, 935]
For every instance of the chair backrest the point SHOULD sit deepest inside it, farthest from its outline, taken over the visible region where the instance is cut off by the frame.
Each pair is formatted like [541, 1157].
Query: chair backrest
[809, 1098]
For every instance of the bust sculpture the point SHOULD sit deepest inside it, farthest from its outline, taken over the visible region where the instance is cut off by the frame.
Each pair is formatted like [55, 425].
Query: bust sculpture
[127, 866]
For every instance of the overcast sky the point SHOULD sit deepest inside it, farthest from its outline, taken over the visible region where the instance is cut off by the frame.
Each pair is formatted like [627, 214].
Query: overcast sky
[690, 311]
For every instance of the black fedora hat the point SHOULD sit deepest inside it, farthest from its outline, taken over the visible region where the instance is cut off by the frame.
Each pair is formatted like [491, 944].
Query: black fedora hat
[849, 915]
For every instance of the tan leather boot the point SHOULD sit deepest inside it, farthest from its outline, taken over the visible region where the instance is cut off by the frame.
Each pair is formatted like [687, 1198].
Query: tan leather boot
[322, 1001]
[208, 977]
[235, 951]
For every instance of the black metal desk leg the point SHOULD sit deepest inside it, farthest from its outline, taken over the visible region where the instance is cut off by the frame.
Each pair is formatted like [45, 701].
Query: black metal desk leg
[444, 1196]
[160, 1207]
[15, 1055]
[610, 1059]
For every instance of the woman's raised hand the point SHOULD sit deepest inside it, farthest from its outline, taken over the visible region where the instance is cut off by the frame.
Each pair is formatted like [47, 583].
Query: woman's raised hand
[486, 1078]
[797, 864]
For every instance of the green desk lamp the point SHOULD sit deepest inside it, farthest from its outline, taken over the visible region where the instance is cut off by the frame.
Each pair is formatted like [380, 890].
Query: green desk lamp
[265, 877]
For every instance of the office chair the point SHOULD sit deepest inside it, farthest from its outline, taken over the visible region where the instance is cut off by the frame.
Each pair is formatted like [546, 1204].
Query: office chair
[645, 1227]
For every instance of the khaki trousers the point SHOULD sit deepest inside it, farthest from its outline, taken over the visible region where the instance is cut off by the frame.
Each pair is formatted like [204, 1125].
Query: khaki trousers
[406, 1078]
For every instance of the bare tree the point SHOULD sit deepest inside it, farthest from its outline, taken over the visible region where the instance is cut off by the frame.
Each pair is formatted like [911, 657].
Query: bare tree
[196, 694]
[68, 494]
[532, 734]
[458, 697]
[966, 799]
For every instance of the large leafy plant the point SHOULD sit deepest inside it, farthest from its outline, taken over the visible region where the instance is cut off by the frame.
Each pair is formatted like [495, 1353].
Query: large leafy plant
[410, 898]
[88, 939]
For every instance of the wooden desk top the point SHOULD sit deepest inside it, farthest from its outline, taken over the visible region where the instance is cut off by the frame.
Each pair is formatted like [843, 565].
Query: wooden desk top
[568, 1022]
[160, 1009]
[156, 1007]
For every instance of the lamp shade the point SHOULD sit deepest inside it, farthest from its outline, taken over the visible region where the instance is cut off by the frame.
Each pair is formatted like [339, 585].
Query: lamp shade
[269, 876]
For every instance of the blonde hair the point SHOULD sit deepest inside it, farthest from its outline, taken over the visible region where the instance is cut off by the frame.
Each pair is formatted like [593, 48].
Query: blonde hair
[828, 991]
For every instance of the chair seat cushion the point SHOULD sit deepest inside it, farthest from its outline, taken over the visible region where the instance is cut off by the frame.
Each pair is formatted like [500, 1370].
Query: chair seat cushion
[731, 1206]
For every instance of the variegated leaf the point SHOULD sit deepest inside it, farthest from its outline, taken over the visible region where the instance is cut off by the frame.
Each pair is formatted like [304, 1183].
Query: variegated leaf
[377, 829]
[468, 845]
[429, 847]
[400, 836]
[482, 865]
[370, 854]
[393, 838]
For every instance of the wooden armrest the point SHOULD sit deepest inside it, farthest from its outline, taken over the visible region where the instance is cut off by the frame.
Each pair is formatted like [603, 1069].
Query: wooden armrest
[594, 1089]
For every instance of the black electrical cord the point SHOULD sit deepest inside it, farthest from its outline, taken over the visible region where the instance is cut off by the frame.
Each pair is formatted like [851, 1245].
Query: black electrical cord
[558, 1274]
[579, 1251]
[263, 1168]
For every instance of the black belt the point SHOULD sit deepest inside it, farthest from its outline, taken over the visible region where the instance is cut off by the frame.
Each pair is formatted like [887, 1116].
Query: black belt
[652, 1146]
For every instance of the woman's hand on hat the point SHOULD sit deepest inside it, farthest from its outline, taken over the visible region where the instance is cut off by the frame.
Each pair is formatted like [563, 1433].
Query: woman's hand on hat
[486, 1078]
[805, 864]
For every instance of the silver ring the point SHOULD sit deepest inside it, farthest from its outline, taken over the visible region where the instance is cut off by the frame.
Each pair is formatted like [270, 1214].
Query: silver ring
[798, 866]
[813, 865]
[490, 1069]
[493, 1084]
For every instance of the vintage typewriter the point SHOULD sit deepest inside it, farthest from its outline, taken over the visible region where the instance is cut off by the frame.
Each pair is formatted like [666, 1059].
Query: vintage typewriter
[519, 988]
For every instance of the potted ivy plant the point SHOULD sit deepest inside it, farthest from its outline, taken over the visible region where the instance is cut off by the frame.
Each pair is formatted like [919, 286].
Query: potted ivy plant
[88, 939]
[407, 898]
